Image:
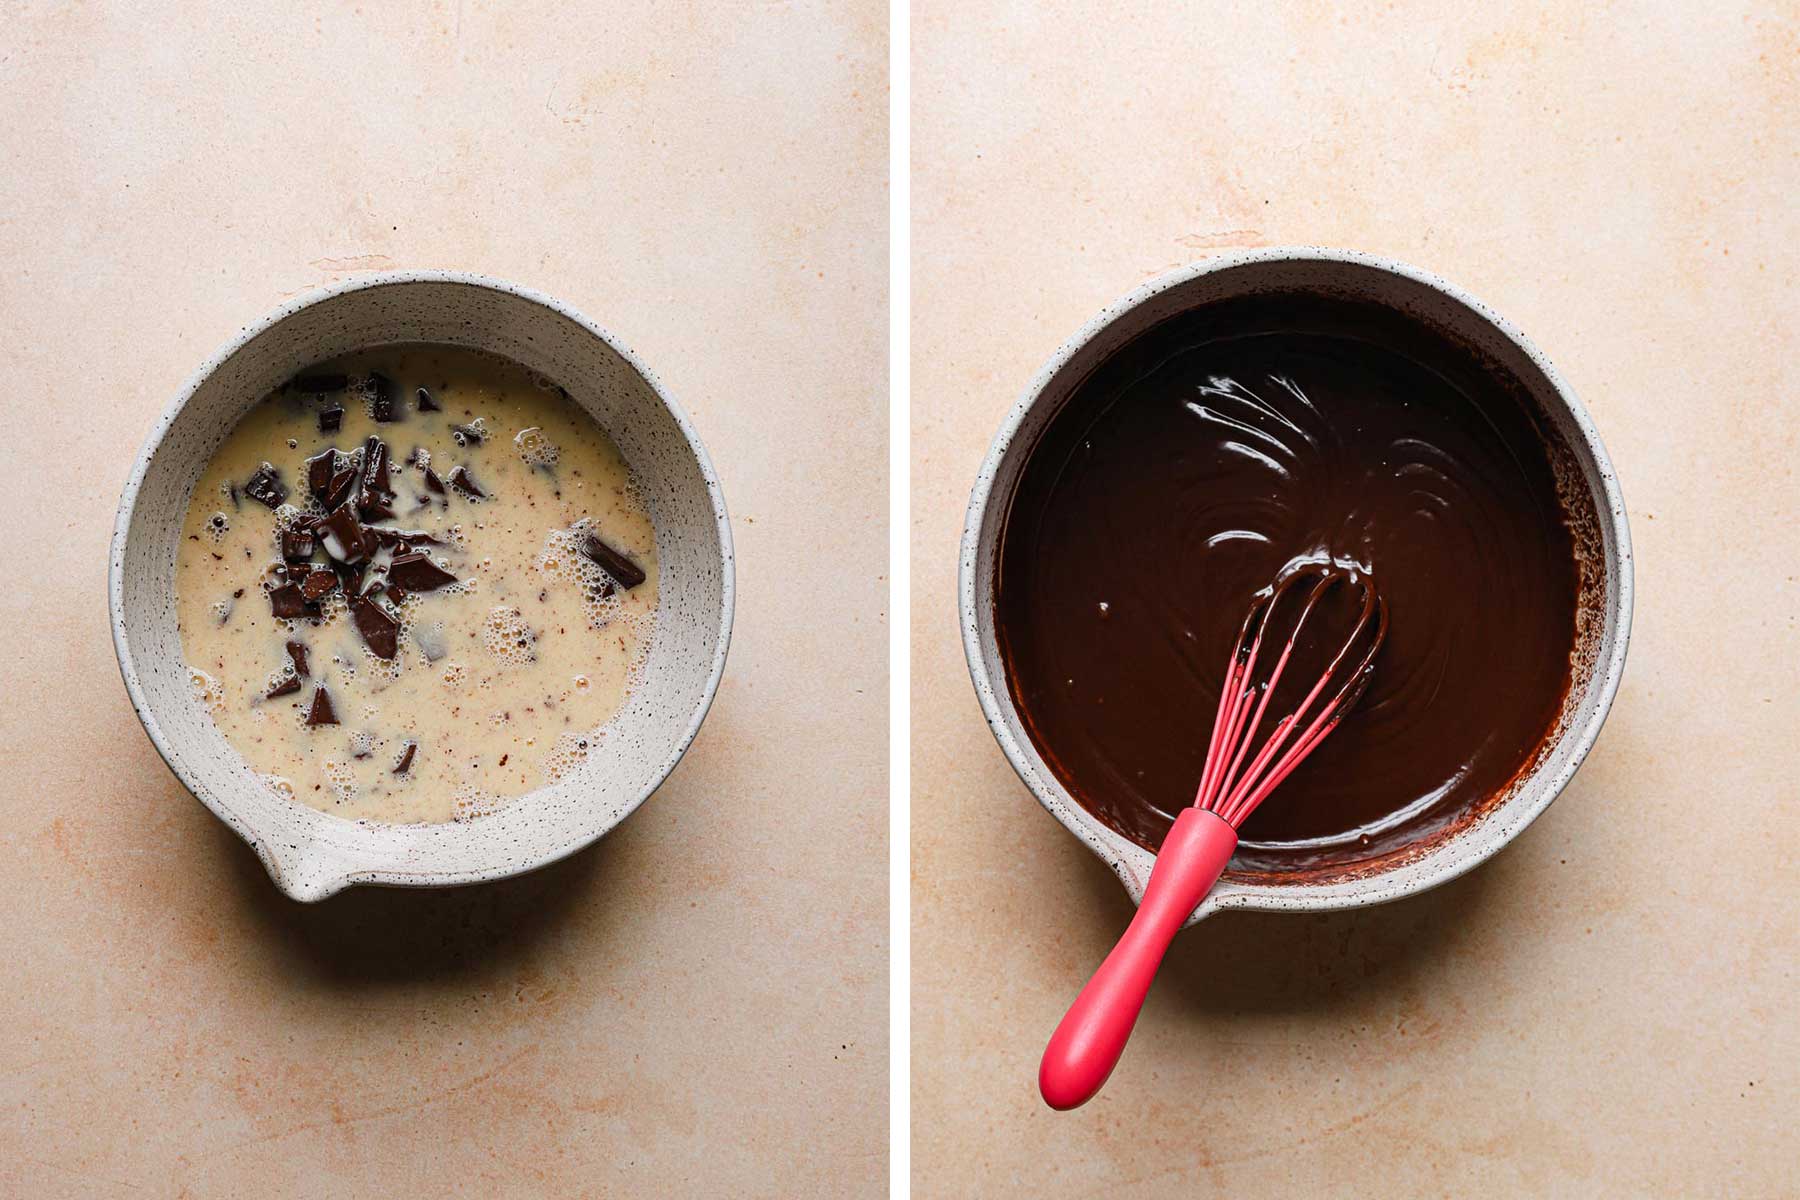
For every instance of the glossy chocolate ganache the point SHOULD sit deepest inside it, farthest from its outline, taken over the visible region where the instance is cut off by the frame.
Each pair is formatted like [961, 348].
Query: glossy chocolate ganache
[1229, 446]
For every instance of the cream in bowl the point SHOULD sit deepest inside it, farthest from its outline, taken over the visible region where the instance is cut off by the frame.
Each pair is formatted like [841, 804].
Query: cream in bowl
[422, 580]
[415, 583]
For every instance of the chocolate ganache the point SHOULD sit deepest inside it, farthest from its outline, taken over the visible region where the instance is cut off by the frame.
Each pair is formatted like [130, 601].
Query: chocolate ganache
[1225, 447]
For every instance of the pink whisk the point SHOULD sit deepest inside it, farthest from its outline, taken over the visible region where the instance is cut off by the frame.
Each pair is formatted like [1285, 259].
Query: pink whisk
[1087, 1044]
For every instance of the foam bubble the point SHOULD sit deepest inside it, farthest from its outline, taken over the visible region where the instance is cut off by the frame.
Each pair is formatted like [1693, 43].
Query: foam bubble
[507, 636]
[207, 690]
[534, 448]
[569, 751]
[472, 802]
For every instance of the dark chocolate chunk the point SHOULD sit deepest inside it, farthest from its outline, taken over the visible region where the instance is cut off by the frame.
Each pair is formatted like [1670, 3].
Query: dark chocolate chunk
[466, 435]
[408, 537]
[417, 573]
[317, 585]
[286, 687]
[396, 593]
[375, 465]
[331, 419]
[232, 491]
[435, 484]
[266, 487]
[380, 632]
[350, 576]
[320, 384]
[382, 391]
[321, 712]
[628, 573]
[372, 505]
[343, 536]
[375, 489]
[297, 545]
[286, 602]
[342, 484]
[430, 641]
[426, 403]
[412, 748]
[297, 650]
[462, 482]
[320, 469]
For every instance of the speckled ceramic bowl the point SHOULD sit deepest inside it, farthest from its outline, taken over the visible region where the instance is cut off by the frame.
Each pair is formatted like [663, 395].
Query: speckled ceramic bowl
[1584, 477]
[311, 854]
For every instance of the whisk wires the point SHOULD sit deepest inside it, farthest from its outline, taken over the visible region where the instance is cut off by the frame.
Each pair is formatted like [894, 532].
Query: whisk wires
[1232, 787]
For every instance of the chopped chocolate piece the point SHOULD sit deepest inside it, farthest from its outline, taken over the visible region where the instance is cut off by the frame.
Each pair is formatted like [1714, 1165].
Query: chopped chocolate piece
[286, 687]
[343, 535]
[382, 404]
[321, 712]
[430, 641]
[375, 490]
[317, 586]
[417, 573]
[426, 403]
[461, 481]
[628, 573]
[434, 483]
[297, 650]
[331, 419]
[375, 465]
[320, 469]
[412, 748]
[396, 593]
[372, 505]
[467, 435]
[380, 632]
[342, 484]
[297, 545]
[397, 537]
[266, 487]
[231, 490]
[319, 385]
[350, 575]
[286, 602]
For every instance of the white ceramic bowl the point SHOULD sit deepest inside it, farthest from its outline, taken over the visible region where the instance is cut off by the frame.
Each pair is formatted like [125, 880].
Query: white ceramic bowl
[311, 854]
[1584, 475]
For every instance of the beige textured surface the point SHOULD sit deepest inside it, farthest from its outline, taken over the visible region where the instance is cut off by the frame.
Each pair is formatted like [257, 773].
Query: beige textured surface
[698, 1005]
[1608, 1008]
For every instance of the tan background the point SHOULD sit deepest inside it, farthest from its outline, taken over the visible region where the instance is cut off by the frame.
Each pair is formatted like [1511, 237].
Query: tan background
[1608, 1008]
[698, 1005]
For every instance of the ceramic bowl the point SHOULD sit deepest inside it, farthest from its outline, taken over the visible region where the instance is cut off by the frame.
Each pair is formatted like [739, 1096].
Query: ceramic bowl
[311, 854]
[1586, 480]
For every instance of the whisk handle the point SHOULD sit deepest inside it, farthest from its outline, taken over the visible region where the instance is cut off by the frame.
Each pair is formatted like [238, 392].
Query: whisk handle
[1086, 1046]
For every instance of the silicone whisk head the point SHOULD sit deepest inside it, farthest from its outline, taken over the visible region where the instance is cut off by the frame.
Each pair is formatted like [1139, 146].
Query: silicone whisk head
[1291, 613]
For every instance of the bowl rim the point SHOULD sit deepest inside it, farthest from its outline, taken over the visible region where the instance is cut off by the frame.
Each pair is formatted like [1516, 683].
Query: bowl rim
[284, 868]
[1131, 862]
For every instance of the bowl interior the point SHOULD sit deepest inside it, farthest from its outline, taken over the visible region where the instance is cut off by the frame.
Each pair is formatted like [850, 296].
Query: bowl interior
[311, 853]
[1584, 479]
